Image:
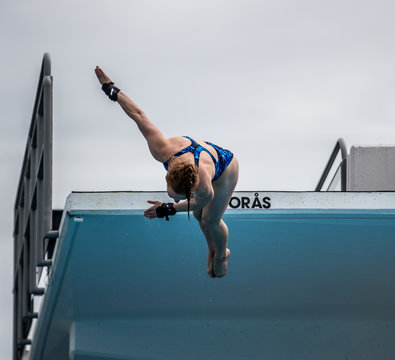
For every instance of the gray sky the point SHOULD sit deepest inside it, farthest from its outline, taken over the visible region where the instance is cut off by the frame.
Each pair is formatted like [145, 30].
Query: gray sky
[275, 81]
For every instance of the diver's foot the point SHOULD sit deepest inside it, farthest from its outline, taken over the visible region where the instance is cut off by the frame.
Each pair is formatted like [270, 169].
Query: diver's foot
[221, 265]
[210, 264]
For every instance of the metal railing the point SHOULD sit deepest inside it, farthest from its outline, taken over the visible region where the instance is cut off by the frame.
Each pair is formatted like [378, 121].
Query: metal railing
[33, 234]
[340, 145]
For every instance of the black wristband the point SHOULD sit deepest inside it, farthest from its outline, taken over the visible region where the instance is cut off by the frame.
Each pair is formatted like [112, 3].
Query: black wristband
[111, 91]
[165, 210]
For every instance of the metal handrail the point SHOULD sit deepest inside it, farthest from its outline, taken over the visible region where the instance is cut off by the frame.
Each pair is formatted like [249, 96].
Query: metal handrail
[340, 145]
[33, 211]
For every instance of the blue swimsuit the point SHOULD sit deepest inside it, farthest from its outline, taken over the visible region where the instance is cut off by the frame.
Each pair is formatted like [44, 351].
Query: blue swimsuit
[224, 156]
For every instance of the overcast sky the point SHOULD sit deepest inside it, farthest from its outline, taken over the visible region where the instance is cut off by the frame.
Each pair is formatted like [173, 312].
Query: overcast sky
[275, 81]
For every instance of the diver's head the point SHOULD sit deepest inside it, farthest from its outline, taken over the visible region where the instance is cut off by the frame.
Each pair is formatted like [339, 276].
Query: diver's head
[182, 180]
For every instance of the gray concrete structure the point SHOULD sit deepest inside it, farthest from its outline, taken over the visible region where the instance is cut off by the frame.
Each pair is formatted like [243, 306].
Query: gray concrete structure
[371, 168]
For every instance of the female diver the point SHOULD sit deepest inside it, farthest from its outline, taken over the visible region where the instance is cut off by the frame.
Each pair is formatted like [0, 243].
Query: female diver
[199, 172]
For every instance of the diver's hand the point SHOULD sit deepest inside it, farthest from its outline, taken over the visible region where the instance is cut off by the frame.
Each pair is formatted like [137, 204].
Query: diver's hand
[150, 213]
[101, 76]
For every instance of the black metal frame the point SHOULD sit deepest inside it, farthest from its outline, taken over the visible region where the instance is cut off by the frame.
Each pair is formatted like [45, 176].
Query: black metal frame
[340, 145]
[33, 234]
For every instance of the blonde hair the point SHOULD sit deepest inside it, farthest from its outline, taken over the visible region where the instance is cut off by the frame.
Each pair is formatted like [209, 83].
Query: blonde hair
[183, 179]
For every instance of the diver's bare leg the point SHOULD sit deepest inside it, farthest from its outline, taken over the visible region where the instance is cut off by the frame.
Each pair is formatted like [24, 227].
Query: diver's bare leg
[211, 223]
[217, 234]
[210, 245]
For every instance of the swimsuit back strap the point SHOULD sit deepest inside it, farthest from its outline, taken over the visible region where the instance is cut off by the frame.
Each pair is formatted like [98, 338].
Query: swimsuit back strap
[195, 149]
[198, 149]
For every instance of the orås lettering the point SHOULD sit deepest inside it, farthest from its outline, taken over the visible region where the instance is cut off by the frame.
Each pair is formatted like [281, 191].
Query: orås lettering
[247, 203]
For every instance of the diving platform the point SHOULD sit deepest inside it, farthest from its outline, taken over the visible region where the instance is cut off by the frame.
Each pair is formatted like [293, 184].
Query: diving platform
[311, 275]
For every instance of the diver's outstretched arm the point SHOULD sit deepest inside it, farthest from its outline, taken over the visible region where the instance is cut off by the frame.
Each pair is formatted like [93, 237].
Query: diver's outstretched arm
[157, 143]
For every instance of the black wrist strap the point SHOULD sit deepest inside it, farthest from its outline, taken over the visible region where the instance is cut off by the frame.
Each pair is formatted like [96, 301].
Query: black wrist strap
[165, 210]
[111, 91]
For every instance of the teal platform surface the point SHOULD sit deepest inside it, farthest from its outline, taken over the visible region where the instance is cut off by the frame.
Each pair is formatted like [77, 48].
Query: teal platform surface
[311, 276]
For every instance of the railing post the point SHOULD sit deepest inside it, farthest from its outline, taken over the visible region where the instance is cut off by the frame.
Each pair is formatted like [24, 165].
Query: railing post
[33, 210]
[340, 145]
[343, 149]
